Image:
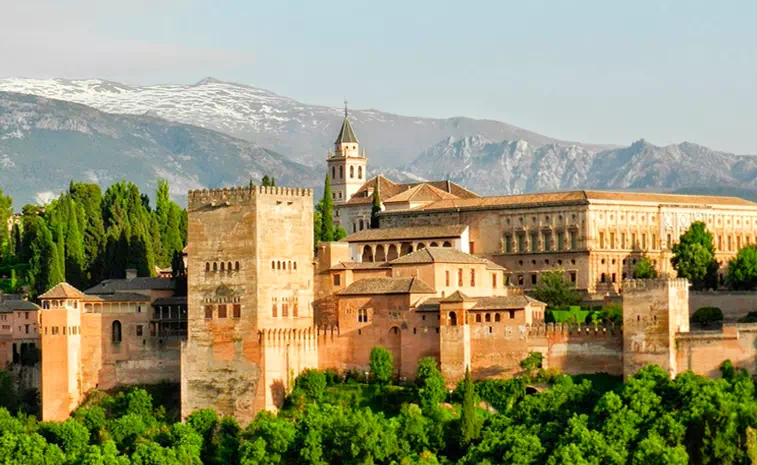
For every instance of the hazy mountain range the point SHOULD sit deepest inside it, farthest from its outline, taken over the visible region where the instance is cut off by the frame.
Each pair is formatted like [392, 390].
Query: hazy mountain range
[215, 133]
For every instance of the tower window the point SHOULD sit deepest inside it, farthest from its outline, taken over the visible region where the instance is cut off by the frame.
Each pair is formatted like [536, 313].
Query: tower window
[352, 172]
[360, 172]
[341, 172]
[116, 332]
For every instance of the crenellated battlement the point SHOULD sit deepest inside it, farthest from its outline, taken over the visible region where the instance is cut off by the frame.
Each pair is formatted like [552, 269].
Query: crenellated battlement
[240, 194]
[641, 285]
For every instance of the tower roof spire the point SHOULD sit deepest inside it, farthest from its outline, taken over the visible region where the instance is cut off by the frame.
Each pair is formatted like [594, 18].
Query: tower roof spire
[346, 134]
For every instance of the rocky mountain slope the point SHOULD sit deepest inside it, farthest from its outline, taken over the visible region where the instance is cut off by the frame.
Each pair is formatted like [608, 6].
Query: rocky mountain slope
[301, 131]
[46, 143]
[510, 167]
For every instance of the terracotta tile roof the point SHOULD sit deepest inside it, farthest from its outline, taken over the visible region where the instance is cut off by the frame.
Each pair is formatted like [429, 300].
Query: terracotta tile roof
[371, 286]
[63, 291]
[117, 297]
[456, 296]
[389, 189]
[359, 265]
[9, 306]
[581, 198]
[109, 286]
[412, 232]
[509, 302]
[422, 193]
[443, 255]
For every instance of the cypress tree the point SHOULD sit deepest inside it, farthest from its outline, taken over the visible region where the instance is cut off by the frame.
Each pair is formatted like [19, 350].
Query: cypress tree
[172, 242]
[6, 210]
[162, 207]
[376, 208]
[327, 209]
[59, 271]
[41, 251]
[74, 248]
[468, 427]
[183, 223]
[317, 225]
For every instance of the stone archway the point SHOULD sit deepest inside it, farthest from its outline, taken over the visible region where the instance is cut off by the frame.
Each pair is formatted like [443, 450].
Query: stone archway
[391, 253]
[380, 254]
[420, 246]
[367, 254]
[447, 244]
[406, 248]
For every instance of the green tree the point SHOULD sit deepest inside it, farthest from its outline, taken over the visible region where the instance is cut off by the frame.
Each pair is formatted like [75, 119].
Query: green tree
[644, 269]
[91, 227]
[75, 272]
[742, 270]
[162, 207]
[376, 207]
[554, 290]
[327, 211]
[468, 420]
[312, 383]
[382, 365]
[44, 266]
[432, 388]
[6, 211]
[267, 181]
[693, 255]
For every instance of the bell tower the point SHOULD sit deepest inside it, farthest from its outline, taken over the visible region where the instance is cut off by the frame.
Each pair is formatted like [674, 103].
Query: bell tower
[346, 164]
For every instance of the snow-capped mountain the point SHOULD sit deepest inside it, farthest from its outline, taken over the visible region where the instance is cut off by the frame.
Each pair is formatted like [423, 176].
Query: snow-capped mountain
[511, 167]
[46, 143]
[298, 130]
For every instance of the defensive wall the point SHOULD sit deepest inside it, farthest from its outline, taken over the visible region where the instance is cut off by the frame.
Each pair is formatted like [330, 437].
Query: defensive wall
[734, 304]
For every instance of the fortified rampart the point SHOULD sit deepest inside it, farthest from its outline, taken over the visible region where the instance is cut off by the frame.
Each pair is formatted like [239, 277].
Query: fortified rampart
[734, 304]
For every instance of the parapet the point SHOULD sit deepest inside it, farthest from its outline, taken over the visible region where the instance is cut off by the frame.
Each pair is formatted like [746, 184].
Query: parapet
[230, 195]
[641, 285]
[574, 330]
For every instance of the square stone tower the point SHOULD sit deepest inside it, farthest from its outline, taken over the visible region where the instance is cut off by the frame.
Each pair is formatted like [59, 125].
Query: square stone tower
[654, 310]
[250, 294]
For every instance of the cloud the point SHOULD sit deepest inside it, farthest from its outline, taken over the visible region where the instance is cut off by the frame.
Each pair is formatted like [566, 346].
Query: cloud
[86, 39]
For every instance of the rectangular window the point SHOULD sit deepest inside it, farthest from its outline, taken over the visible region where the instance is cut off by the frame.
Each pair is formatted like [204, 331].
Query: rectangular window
[274, 309]
[653, 245]
[612, 240]
[601, 240]
[670, 241]
[139, 330]
[573, 277]
[643, 242]
[573, 240]
[634, 245]
[472, 248]
[208, 312]
[295, 309]
[520, 280]
[222, 311]
[494, 280]
[560, 241]
[473, 278]
[446, 278]
[614, 277]
[534, 242]
[720, 242]
[285, 310]
[521, 243]
[237, 309]
[730, 242]
[27, 329]
[548, 241]
[337, 280]
[622, 240]
[459, 277]
[512, 314]
[533, 278]
[26, 315]
[508, 243]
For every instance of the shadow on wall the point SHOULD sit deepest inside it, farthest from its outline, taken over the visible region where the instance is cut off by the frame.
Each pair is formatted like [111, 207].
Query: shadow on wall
[278, 393]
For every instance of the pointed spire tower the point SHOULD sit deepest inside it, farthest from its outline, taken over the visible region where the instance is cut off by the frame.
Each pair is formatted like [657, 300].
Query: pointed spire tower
[346, 164]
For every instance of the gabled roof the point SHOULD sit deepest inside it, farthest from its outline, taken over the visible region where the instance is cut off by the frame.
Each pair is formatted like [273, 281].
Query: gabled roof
[443, 255]
[389, 189]
[412, 232]
[63, 291]
[109, 286]
[422, 193]
[346, 134]
[371, 286]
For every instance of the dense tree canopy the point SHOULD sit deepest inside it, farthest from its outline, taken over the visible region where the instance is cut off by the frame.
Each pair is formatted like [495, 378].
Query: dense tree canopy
[742, 270]
[554, 290]
[645, 269]
[694, 257]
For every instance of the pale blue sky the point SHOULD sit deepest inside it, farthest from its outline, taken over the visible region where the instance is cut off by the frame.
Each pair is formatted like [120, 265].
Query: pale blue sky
[592, 71]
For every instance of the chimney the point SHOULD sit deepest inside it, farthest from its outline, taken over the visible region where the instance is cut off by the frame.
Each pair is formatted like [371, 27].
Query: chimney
[131, 273]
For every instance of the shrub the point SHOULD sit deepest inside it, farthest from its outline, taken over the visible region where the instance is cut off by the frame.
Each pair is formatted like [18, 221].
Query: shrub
[750, 317]
[707, 315]
[312, 383]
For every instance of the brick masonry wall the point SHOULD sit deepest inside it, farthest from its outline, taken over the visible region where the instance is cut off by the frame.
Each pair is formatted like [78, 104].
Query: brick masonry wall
[733, 304]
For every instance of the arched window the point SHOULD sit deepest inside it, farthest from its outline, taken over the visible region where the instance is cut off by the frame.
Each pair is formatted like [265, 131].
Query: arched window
[367, 254]
[116, 332]
[447, 244]
[295, 309]
[380, 254]
[274, 311]
[285, 309]
[488, 318]
[295, 266]
[391, 253]
[273, 264]
[361, 224]
[215, 266]
[360, 172]
[223, 266]
[228, 266]
[497, 318]
[207, 266]
[236, 266]
[333, 172]
[352, 172]
[341, 172]
[420, 246]
[478, 318]
[433, 244]
[278, 265]
[452, 319]
[396, 330]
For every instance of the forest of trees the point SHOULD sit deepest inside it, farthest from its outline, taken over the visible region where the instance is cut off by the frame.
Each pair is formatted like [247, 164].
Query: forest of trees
[85, 236]
[332, 419]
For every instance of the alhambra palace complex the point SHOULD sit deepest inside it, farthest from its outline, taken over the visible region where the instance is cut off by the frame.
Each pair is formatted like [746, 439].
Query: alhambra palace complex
[446, 275]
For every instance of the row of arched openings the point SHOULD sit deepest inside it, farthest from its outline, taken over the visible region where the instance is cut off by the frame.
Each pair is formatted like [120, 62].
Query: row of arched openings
[224, 266]
[283, 265]
[352, 172]
[389, 253]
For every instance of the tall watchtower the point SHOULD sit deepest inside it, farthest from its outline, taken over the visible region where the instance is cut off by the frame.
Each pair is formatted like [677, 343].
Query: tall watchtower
[250, 275]
[346, 164]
